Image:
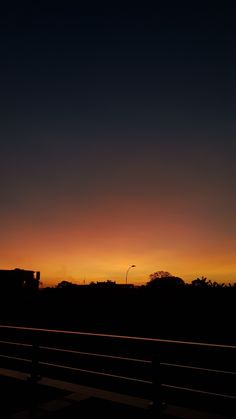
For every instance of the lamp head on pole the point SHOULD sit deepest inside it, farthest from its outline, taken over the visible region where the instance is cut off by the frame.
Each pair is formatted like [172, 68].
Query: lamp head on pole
[126, 277]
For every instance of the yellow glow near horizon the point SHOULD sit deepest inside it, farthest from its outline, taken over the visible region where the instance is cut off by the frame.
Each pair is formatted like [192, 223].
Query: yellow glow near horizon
[100, 245]
[78, 264]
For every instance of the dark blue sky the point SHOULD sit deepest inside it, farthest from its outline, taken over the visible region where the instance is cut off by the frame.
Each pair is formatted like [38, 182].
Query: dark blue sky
[107, 106]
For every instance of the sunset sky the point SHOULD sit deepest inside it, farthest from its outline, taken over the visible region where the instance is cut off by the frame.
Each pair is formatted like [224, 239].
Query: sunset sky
[118, 142]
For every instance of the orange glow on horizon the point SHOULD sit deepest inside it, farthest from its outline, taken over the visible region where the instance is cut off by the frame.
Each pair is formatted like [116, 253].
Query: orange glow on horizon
[93, 247]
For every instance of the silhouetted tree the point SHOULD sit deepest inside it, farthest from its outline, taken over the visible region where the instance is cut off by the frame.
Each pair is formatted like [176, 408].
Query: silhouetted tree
[203, 282]
[218, 285]
[66, 285]
[200, 282]
[164, 280]
[160, 274]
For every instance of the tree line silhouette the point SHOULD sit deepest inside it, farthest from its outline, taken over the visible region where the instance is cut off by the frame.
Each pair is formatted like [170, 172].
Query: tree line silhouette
[158, 279]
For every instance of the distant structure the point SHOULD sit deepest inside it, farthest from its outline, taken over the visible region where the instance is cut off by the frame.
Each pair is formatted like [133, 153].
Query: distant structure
[107, 284]
[18, 279]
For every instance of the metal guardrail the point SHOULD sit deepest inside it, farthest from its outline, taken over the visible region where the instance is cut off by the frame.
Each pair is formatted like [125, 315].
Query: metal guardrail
[125, 362]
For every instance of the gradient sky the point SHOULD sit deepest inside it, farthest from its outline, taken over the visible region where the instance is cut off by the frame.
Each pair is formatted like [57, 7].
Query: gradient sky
[118, 142]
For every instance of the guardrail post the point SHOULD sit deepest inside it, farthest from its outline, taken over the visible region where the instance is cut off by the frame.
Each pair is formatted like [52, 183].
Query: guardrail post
[157, 401]
[34, 373]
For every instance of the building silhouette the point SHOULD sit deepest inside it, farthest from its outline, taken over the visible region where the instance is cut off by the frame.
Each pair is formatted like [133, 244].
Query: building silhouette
[18, 279]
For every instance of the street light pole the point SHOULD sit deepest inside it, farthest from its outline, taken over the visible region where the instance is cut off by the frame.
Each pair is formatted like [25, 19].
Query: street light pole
[126, 276]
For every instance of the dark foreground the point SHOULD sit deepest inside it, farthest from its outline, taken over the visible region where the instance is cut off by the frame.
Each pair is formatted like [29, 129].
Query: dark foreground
[21, 400]
[186, 313]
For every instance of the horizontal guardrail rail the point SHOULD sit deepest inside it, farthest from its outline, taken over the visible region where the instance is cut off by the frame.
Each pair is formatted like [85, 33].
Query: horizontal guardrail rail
[147, 367]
